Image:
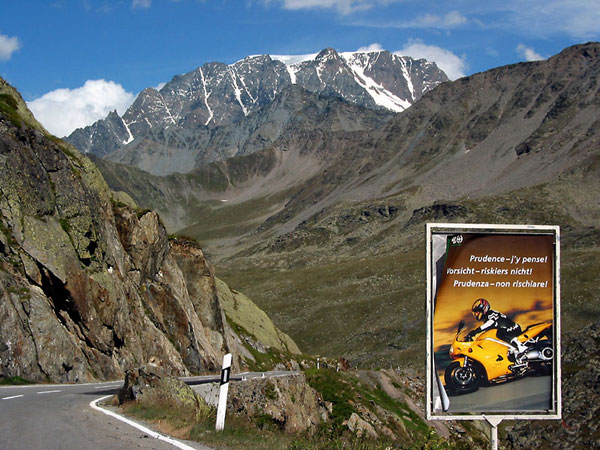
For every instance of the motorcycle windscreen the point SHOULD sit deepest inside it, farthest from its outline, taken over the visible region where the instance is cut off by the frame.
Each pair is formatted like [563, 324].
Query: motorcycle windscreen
[515, 274]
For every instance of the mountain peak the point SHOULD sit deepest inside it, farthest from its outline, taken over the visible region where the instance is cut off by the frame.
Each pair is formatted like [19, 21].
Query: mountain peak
[586, 53]
[217, 94]
[328, 53]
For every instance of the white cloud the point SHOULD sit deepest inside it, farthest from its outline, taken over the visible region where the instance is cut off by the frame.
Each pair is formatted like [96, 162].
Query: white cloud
[492, 52]
[343, 6]
[8, 45]
[528, 53]
[539, 18]
[374, 47]
[454, 66]
[63, 110]
[578, 18]
[141, 4]
[451, 20]
[294, 59]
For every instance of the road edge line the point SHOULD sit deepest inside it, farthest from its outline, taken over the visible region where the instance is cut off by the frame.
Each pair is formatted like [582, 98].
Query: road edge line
[146, 430]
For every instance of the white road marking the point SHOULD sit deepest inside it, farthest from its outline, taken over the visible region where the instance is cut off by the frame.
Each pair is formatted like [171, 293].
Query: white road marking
[142, 428]
[72, 385]
[14, 396]
[49, 392]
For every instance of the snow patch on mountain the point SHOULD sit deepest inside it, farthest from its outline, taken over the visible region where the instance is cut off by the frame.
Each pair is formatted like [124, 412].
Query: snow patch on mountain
[407, 76]
[380, 95]
[206, 94]
[289, 60]
[130, 138]
[237, 91]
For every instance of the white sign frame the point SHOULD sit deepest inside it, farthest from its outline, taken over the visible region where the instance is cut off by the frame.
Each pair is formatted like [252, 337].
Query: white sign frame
[452, 228]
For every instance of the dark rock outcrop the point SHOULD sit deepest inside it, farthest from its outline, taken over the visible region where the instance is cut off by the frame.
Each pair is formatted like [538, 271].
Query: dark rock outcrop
[438, 211]
[579, 427]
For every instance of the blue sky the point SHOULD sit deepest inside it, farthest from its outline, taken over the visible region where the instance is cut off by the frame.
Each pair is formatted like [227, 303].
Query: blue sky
[75, 60]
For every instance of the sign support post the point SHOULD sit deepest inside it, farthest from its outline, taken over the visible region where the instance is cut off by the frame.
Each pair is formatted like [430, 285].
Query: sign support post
[223, 392]
[494, 422]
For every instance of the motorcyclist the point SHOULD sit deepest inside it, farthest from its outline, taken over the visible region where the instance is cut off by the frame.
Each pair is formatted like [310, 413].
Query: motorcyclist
[507, 329]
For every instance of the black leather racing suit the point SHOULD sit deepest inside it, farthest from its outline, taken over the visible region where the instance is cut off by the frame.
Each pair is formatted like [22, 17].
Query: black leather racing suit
[507, 329]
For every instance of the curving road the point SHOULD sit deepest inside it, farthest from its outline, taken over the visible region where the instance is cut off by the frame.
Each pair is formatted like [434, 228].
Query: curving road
[60, 416]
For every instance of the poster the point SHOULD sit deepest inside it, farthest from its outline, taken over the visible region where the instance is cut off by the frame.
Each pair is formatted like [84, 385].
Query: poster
[493, 327]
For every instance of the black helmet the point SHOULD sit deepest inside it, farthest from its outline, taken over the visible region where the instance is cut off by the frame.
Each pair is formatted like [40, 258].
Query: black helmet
[480, 308]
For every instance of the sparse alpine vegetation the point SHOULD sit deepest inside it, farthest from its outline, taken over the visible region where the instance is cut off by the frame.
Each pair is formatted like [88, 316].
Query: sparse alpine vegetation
[328, 240]
[317, 409]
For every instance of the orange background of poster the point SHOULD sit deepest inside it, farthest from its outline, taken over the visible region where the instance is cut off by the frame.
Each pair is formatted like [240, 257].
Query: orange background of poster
[524, 305]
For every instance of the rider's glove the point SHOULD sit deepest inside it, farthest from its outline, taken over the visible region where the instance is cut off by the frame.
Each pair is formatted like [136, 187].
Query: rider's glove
[471, 335]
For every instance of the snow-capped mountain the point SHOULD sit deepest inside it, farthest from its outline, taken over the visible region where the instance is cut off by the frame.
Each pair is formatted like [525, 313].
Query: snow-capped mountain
[218, 94]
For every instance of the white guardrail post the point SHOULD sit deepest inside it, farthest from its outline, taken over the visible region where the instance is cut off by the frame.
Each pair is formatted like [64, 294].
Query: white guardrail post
[223, 392]
[494, 422]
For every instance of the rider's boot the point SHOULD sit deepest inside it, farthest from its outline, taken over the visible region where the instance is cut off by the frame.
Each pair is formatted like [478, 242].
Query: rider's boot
[520, 349]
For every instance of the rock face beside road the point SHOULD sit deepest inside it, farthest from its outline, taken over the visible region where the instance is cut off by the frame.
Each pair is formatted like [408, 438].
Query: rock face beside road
[88, 285]
[579, 427]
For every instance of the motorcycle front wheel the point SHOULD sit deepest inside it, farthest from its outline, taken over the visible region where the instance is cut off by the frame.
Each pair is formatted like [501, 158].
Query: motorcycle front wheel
[461, 380]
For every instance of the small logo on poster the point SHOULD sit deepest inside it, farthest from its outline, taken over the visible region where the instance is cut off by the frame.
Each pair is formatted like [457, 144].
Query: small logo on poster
[457, 240]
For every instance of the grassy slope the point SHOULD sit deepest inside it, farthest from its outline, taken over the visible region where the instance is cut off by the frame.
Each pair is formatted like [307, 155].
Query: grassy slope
[242, 312]
[366, 302]
[13, 105]
[360, 309]
[385, 397]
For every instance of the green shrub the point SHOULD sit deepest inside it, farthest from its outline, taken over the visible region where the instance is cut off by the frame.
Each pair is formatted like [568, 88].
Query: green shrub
[9, 108]
[14, 381]
[335, 388]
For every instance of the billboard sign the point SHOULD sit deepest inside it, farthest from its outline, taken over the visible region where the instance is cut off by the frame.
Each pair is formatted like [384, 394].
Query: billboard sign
[493, 330]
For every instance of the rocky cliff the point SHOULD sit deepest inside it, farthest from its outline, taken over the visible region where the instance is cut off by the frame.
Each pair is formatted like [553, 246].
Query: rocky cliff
[88, 285]
[165, 150]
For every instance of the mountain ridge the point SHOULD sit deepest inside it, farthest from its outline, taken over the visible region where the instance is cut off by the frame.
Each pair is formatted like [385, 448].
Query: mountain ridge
[497, 124]
[217, 94]
[174, 149]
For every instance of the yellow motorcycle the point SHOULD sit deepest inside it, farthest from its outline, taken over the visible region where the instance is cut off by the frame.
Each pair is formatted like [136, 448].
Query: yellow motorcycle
[487, 360]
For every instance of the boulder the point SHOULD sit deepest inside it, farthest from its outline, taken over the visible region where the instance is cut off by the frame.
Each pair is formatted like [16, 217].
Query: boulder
[360, 427]
[289, 402]
[151, 382]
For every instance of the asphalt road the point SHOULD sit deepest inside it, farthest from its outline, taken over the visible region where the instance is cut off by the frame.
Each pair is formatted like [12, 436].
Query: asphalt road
[56, 417]
[525, 394]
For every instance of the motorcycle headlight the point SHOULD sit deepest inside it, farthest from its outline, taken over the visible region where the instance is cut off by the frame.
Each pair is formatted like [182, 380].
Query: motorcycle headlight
[451, 352]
